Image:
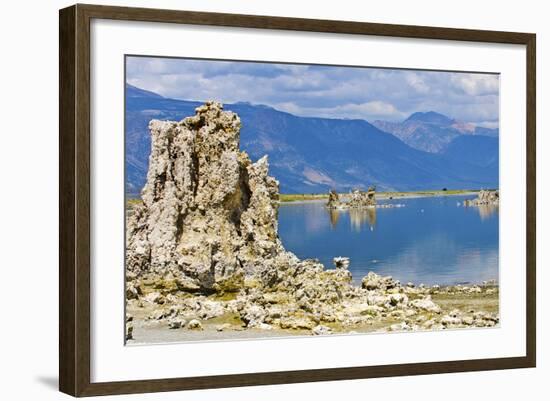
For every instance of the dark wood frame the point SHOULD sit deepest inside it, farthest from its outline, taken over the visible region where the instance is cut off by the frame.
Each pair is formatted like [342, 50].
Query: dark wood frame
[74, 199]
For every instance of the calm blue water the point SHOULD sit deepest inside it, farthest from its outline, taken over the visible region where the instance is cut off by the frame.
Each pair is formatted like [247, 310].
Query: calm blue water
[430, 240]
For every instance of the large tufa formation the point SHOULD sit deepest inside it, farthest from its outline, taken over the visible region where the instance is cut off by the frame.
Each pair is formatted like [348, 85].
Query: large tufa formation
[208, 221]
[209, 214]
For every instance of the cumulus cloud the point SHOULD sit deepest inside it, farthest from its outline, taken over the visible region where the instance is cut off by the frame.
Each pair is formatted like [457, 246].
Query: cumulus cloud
[376, 109]
[416, 82]
[476, 84]
[323, 91]
[488, 124]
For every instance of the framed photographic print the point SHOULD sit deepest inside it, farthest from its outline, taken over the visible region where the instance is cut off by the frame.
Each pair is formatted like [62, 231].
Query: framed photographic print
[250, 200]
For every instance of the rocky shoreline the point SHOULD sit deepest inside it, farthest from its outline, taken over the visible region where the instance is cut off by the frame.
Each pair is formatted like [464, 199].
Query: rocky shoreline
[203, 253]
[162, 313]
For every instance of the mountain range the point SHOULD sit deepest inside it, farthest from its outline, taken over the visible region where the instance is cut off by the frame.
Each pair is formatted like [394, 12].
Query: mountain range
[312, 155]
[431, 131]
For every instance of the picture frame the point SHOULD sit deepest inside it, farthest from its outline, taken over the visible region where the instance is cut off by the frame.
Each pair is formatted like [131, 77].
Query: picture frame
[76, 202]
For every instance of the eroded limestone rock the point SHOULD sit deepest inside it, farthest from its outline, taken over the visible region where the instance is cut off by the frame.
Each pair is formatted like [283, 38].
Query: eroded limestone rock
[357, 201]
[373, 281]
[341, 262]
[484, 198]
[360, 199]
[333, 200]
[194, 325]
[209, 214]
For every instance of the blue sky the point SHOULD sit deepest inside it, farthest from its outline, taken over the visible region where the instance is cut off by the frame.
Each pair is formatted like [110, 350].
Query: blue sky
[323, 91]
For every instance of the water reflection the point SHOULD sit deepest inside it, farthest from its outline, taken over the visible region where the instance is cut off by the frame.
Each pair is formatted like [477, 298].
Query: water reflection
[486, 211]
[357, 217]
[430, 240]
[334, 216]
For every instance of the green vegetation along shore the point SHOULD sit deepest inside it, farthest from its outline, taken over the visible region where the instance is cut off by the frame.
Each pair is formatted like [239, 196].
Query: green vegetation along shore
[381, 195]
[132, 201]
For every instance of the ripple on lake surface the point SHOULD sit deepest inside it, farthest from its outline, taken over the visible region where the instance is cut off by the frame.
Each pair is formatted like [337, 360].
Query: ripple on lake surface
[431, 240]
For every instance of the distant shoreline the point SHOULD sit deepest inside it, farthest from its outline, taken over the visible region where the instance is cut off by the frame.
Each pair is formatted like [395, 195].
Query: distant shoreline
[293, 198]
[299, 198]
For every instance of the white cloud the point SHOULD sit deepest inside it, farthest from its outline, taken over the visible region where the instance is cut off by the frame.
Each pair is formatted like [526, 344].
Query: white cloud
[335, 92]
[487, 124]
[416, 83]
[476, 84]
[373, 110]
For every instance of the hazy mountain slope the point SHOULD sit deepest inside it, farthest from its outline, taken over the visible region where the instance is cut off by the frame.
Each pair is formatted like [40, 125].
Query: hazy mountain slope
[307, 154]
[431, 131]
[475, 149]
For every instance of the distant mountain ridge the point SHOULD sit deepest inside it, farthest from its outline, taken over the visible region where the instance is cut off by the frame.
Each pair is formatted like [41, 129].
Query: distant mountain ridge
[133, 91]
[430, 117]
[431, 131]
[309, 154]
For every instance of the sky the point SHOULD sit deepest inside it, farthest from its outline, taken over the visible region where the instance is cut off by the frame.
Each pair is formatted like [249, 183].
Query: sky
[323, 91]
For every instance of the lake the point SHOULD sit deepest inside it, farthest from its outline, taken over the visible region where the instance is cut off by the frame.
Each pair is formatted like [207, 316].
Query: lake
[431, 240]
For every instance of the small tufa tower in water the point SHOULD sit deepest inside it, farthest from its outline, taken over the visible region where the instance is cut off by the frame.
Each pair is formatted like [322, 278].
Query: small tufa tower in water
[357, 200]
[360, 199]
[484, 198]
[333, 200]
